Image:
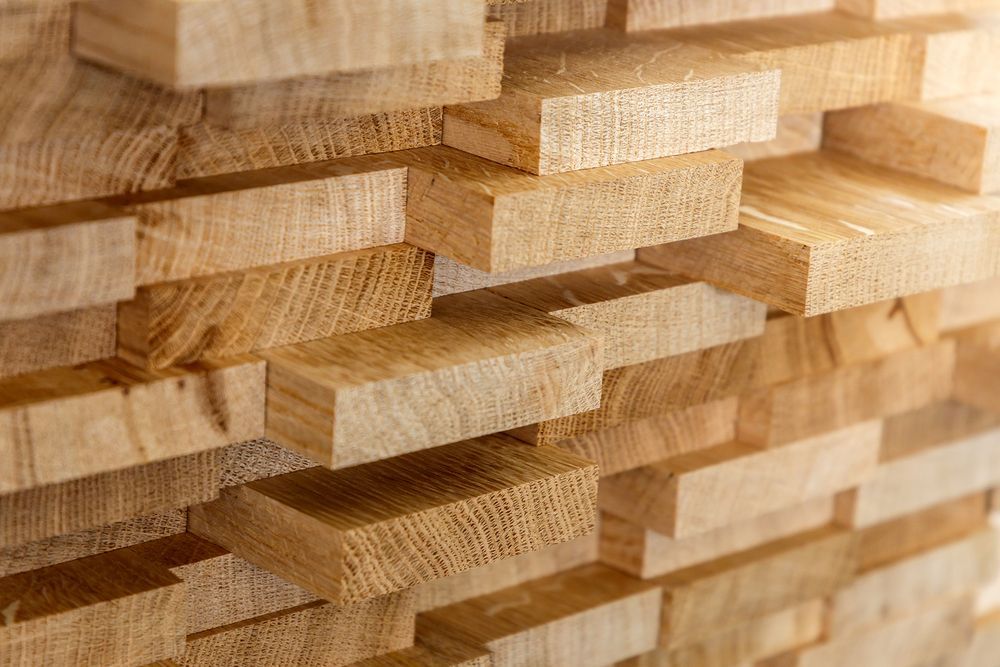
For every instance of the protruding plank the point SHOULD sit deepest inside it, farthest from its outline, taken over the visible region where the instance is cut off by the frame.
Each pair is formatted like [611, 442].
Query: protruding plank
[703, 600]
[65, 257]
[437, 652]
[318, 633]
[956, 52]
[885, 9]
[218, 42]
[705, 490]
[797, 133]
[589, 616]
[34, 29]
[111, 609]
[210, 225]
[236, 312]
[326, 530]
[898, 383]
[653, 14]
[864, 234]
[642, 312]
[977, 367]
[553, 114]
[496, 218]
[394, 88]
[256, 459]
[951, 141]
[70, 422]
[61, 339]
[658, 387]
[647, 553]
[544, 16]
[479, 365]
[936, 424]
[970, 304]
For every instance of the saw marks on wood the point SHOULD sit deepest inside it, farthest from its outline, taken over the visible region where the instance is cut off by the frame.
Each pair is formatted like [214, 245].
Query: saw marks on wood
[653, 14]
[593, 98]
[864, 234]
[69, 422]
[480, 364]
[61, 339]
[352, 534]
[495, 218]
[209, 43]
[544, 16]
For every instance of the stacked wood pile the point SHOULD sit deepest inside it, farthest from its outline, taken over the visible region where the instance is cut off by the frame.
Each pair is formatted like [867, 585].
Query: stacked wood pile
[450, 332]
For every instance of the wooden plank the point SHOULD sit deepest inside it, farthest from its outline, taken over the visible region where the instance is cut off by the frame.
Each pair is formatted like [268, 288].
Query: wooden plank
[703, 600]
[232, 313]
[437, 652]
[496, 218]
[986, 642]
[33, 29]
[589, 616]
[218, 42]
[317, 633]
[970, 304]
[864, 234]
[60, 339]
[207, 150]
[66, 257]
[314, 210]
[797, 133]
[658, 387]
[547, 117]
[646, 553]
[256, 459]
[324, 530]
[708, 489]
[898, 383]
[956, 52]
[644, 441]
[69, 422]
[642, 312]
[657, 14]
[977, 367]
[883, 9]
[494, 365]
[87, 503]
[936, 424]
[337, 95]
[950, 141]
[110, 609]
[545, 16]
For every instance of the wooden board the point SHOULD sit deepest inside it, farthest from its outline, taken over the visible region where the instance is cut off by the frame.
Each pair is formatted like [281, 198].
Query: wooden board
[65, 257]
[970, 304]
[220, 42]
[496, 218]
[881, 9]
[956, 53]
[544, 16]
[323, 530]
[985, 643]
[70, 422]
[797, 133]
[708, 489]
[977, 367]
[34, 29]
[655, 14]
[437, 652]
[494, 365]
[936, 424]
[864, 234]
[548, 117]
[232, 313]
[59, 339]
[257, 459]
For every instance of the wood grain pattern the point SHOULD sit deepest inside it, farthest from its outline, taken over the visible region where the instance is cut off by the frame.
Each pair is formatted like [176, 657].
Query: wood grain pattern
[496, 218]
[955, 52]
[657, 14]
[970, 304]
[69, 422]
[325, 530]
[977, 367]
[882, 9]
[217, 42]
[64, 257]
[797, 133]
[479, 365]
[232, 313]
[940, 423]
[436, 652]
[37, 29]
[544, 16]
[565, 94]
[865, 234]
[60, 339]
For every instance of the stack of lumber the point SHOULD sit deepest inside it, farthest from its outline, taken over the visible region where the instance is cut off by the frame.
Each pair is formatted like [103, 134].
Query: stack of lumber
[648, 333]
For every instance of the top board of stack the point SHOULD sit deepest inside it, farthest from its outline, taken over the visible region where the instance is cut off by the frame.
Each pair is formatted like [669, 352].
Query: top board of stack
[515, 333]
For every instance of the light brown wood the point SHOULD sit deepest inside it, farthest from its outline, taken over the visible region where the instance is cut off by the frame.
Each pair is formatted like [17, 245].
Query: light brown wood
[646, 553]
[392, 88]
[232, 313]
[64, 257]
[69, 422]
[986, 642]
[654, 14]
[977, 367]
[589, 616]
[437, 652]
[496, 218]
[566, 94]
[708, 489]
[324, 530]
[215, 42]
[479, 365]
[642, 312]
[864, 234]
[34, 29]
[60, 339]
[257, 459]
[797, 133]
[956, 53]
[882, 9]
[544, 16]
[970, 304]
[915, 431]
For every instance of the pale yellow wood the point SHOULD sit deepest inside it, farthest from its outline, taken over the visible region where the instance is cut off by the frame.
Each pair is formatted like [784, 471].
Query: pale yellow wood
[565, 95]
[60, 339]
[883, 9]
[797, 133]
[655, 14]
[708, 489]
[863, 234]
[69, 422]
[187, 43]
[956, 52]
[496, 218]
[986, 642]
[977, 367]
[325, 530]
[935, 424]
[480, 364]
[988, 595]
[970, 304]
[536, 17]
[647, 553]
